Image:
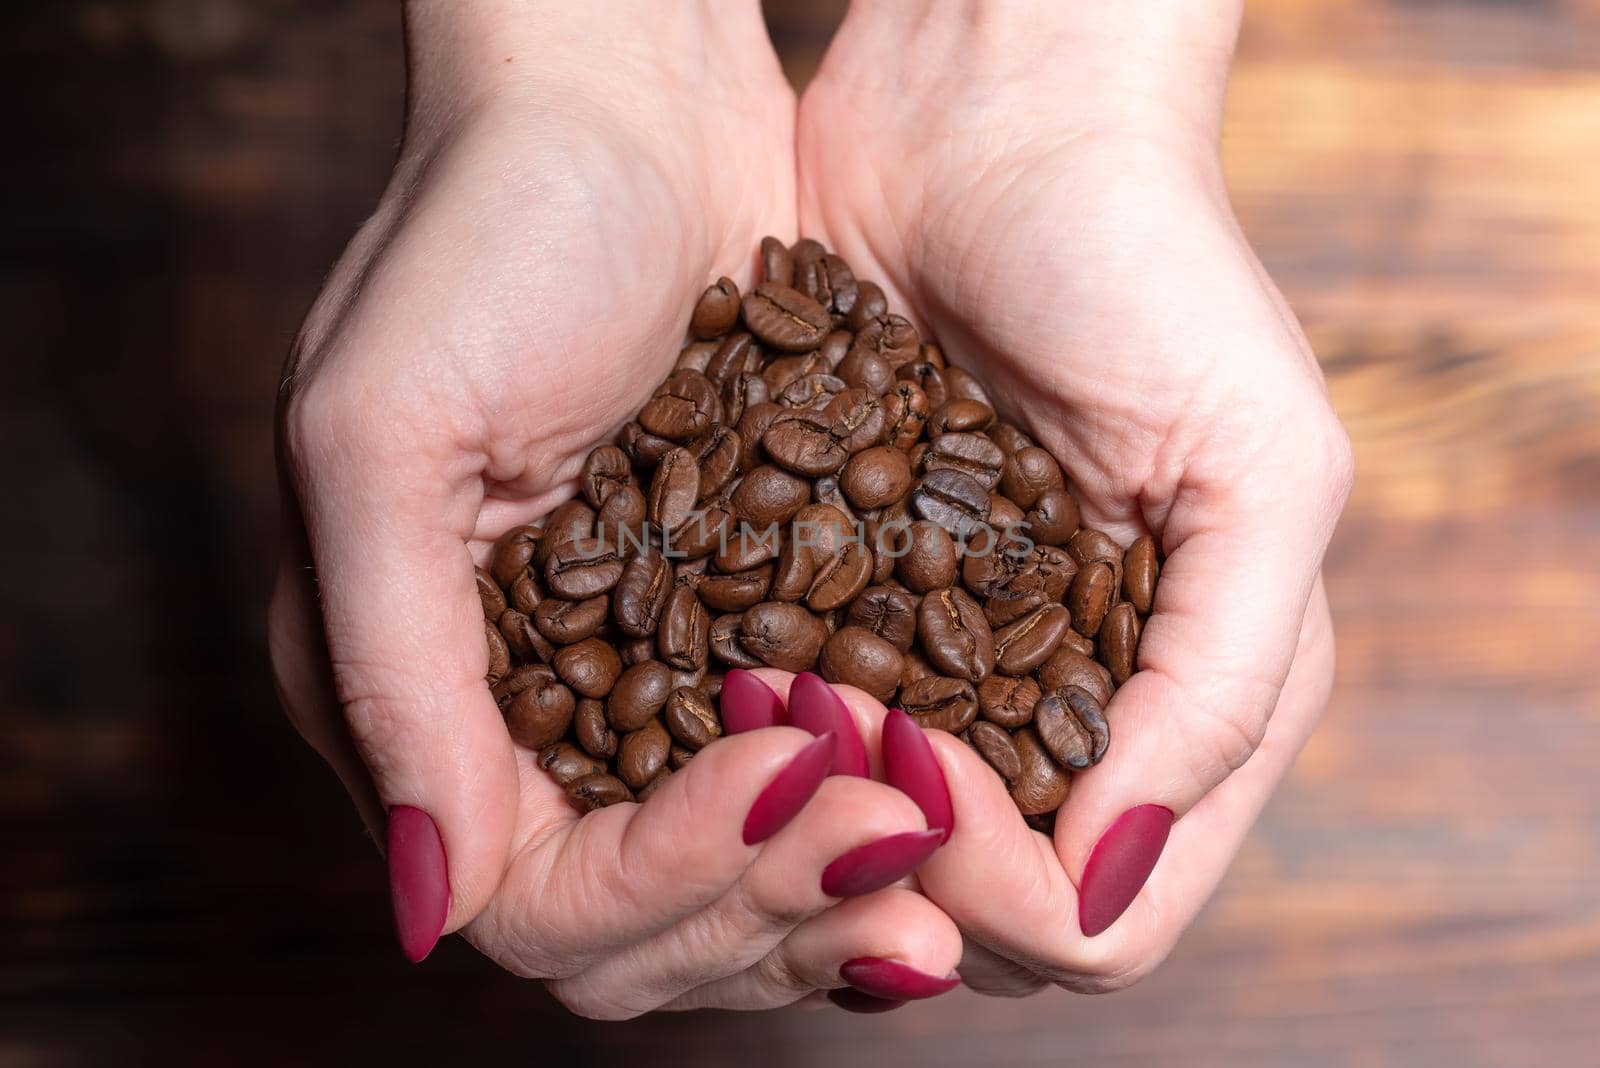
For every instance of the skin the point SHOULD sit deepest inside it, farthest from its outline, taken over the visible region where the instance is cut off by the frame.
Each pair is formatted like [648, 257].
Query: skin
[563, 192]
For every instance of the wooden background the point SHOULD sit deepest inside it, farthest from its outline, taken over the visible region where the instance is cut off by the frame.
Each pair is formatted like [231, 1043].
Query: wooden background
[180, 882]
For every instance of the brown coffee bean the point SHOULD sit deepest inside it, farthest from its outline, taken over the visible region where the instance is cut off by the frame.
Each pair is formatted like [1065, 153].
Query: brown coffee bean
[537, 708]
[776, 264]
[583, 569]
[736, 592]
[964, 386]
[695, 356]
[905, 414]
[525, 593]
[870, 304]
[749, 547]
[683, 408]
[829, 281]
[685, 627]
[490, 595]
[637, 650]
[804, 446]
[865, 369]
[785, 319]
[1139, 573]
[642, 754]
[604, 472]
[955, 637]
[512, 553]
[1119, 641]
[960, 416]
[856, 419]
[953, 499]
[708, 528]
[724, 642]
[641, 594]
[811, 393]
[639, 694]
[597, 791]
[972, 454]
[1067, 667]
[590, 667]
[889, 613]
[1090, 597]
[927, 558]
[589, 726]
[854, 656]
[691, 718]
[997, 749]
[840, 577]
[1008, 701]
[735, 355]
[1072, 726]
[678, 757]
[1009, 437]
[717, 453]
[738, 394]
[499, 654]
[1088, 546]
[565, 622]
[1040, 786]
[929, 379]
[891, 337]
[1028, 473]
[876, 477]
[644, 449]
[783, 372]
[674, 490]
[621, 524]
[784, 636]
[717, 310]
[1053, 519]
[769, 496]
[523, 639]
[1024, 645]
[940, 703]
[566, 764]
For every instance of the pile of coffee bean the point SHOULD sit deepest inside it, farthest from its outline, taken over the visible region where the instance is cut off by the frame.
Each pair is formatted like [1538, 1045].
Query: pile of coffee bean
[813, 488]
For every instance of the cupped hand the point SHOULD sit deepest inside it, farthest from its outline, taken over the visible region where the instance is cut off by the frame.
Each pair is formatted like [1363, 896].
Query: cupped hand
[1045, 194]
[565, 188]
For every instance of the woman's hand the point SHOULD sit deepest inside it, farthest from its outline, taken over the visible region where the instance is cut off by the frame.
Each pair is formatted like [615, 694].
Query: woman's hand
[1043, 190]
[567, 185]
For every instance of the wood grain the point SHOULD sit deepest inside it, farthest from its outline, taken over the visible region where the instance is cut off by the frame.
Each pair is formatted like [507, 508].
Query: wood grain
[183, 883]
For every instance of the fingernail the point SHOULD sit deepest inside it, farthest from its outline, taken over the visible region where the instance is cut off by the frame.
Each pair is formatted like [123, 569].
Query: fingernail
[789, 790]
[419, 882]
[815, 707]
[877, 864]
[893, 980]
[748, 704]
[855, 1001]
[1120, 863]
[910, 767]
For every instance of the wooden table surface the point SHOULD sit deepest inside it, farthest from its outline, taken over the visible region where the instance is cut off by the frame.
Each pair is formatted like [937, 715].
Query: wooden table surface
[182, 883]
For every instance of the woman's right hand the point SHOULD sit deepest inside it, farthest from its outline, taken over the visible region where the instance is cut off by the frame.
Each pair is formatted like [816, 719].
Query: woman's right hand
[566, 186]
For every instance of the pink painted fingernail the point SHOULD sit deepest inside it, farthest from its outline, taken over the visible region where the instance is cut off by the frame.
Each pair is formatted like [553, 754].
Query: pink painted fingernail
[852, 1000]
[910, 767]
[748, 704]
[815, 707]
[789, 790]
[878, 864]
[419, 881]
[893, 980]
[1119, 865]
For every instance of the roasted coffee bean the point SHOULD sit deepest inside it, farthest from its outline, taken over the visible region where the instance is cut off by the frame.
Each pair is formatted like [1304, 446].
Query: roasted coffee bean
[887, 612]
[738, 393]
[605, 471]
[691, 718]
[641, 594]
[804, 446]
[683, 408]
[678, 757]
[735, 355]
[695, 356]
[1027, 473]
[997, 749]
[1139, 571]
[1009, 438]
[536, 706]
[784, 636]
[489, 594]
[964, 386]
[1090, 597]
[685, 627]
[523, 639]
[786, 370]
[953, 499]
[637, 650]
[925, 557]
[653, 785]
[1053, 519]
[870, 304]
[708, 528]
[724, 642]
[840, 577]
[857, 657]
[565, 622]
[940, 703]
[642, 754]
[594, 734]
[717, 310]
[876, 478]
[1089, 545]
[1119, 641]
[1040, 786]
[674, 490]
[960, 416]
[525, 593]
[811, 393]
[639, 694]
[1072, 726]
[1023, 646]
[930, 352]
[916, 667]
[776, 264]
[512, 553]
[566, 764]
[1067, 667]
[749, 547]
[499, 654]
[590, 667]
[597, 791]
[753, 426]
[785, 319]
[865, 369]
[621, 525]
[905, 414]
[830, 282]
[584, 569]
[1078, 643]
[571, 524]
[717, 453]
[972, 454]
[929, 379]
[856, 419]
[891, 337]
[769, 496]
[736, 592]
[644, 449]
[955, 636]
[1008, 701]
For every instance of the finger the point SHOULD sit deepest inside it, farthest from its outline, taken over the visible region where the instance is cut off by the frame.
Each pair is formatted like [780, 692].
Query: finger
[816, 706]
[622, 874]
[388, 530]
[986, 972]
[1212, 661]
[854, 837]
[894, 944]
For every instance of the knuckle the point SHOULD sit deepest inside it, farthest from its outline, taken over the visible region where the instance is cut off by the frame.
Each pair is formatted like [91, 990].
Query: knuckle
[580, 997]
[778, 974]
